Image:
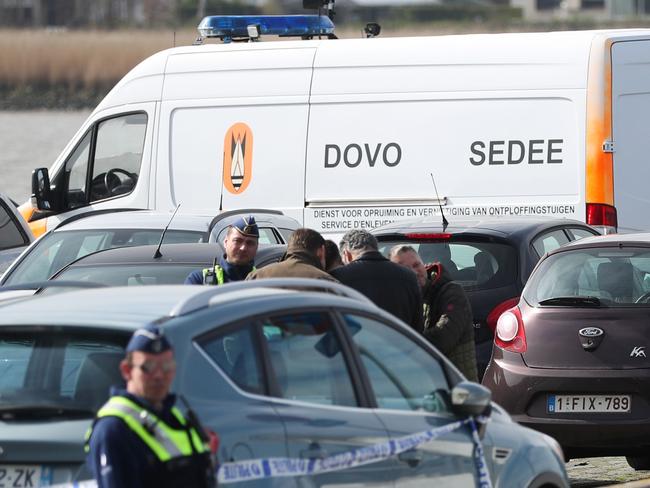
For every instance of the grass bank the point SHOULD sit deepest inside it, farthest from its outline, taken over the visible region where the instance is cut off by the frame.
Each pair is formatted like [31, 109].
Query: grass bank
[75, 69]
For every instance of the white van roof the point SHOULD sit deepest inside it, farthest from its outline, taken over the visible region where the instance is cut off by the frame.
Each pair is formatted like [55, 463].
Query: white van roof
[548, 60]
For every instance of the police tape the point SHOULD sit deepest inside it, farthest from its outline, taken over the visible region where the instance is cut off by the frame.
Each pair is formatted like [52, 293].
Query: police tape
[258, 469]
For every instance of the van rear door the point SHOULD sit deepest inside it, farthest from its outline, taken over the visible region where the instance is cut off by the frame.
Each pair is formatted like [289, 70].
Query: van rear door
[630, 109]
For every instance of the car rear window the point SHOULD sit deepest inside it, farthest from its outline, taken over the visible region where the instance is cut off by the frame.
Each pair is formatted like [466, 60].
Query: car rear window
[474, 265]
[58, 249]
[610, 277]
[57, 370]
[131, 274]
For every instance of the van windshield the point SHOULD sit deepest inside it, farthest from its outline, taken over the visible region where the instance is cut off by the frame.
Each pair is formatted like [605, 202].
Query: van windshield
[58, 249]
[473, 264]
[608, 277]
[45, 373]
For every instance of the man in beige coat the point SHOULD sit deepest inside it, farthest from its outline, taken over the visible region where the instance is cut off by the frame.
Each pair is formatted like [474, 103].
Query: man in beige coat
[305, 258]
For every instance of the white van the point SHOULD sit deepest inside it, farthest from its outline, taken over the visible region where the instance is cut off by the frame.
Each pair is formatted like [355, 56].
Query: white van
[345, 134]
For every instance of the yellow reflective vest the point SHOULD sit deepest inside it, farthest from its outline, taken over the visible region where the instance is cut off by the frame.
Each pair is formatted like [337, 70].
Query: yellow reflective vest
[164, 441]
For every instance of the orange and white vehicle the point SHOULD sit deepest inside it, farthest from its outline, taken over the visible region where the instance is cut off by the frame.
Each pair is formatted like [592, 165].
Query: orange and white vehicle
[347, 133]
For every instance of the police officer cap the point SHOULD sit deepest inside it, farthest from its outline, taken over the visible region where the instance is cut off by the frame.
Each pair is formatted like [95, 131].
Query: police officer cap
[246, 226]
[148, 339]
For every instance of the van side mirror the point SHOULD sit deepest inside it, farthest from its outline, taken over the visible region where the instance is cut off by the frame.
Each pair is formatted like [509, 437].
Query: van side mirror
[41, 191]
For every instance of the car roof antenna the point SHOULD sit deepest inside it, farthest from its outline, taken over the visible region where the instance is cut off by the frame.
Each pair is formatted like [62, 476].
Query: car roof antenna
[158, 254]
[444, 220]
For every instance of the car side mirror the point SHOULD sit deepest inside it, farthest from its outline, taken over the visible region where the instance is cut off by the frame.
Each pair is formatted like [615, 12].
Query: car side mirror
[41, 190]
[470, 399]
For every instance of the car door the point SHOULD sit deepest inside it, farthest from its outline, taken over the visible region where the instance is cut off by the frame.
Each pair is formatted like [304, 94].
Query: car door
[322, 406]
[14, 233]
[220, 374]
[412, 394]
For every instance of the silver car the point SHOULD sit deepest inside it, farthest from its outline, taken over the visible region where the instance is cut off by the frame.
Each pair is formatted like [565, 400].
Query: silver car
[87, 233]
[278, 369]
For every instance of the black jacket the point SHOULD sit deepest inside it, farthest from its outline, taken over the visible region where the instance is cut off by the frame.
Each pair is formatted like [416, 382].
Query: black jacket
[390, 286]
[448, 322]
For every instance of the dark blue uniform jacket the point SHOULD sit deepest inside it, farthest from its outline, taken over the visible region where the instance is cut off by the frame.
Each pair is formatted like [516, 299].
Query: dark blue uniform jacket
[231, 272]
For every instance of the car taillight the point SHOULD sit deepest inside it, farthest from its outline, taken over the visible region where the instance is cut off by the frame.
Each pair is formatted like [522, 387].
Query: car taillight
[496, 312]
[600, 214]
[444, 236]
[510, 334]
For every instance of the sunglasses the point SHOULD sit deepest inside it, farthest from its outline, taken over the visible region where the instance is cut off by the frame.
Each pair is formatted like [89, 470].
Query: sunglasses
[148, 367]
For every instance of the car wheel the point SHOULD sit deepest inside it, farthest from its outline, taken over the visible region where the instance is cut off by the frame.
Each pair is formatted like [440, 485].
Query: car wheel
[638, 462]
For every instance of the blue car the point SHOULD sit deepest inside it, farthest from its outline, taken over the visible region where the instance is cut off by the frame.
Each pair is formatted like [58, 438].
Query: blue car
[301, 370]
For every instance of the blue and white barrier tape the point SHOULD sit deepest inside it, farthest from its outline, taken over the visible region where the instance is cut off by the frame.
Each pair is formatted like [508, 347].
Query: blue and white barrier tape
[256, 469]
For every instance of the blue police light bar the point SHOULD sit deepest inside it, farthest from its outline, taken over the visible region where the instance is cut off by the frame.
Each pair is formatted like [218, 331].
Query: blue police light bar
[229, 27]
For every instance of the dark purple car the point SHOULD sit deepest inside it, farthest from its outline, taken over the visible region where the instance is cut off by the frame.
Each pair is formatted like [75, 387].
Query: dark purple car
[491, 259]
[571, 359]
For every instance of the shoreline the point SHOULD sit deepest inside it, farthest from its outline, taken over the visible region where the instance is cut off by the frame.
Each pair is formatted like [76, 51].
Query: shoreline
[56, 97]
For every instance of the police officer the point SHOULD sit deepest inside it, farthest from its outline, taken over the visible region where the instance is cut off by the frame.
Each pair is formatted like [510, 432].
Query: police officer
[139, 439]
[241, 244]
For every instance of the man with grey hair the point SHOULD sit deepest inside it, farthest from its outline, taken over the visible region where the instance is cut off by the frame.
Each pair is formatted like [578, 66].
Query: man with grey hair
[389, 285]
[448, 319]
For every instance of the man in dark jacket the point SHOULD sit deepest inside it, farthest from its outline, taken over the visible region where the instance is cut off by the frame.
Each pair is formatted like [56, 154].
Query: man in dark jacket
[387, 284]
[305, 258]
[240, 244]
[448, 319]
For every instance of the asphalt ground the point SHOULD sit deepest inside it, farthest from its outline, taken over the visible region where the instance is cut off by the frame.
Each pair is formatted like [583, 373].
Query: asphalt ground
[605, 471]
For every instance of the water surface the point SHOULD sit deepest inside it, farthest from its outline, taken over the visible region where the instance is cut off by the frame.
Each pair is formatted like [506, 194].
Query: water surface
[29, 140]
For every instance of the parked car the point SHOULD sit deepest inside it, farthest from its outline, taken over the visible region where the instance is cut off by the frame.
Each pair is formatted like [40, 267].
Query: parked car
[90, 232]
[274, 372]
[141, 265]
[570, 359]
[491, 259]
[15, 234]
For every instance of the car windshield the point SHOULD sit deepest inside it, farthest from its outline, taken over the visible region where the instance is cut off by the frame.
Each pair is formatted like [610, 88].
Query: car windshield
[45, 373]
[58, 249]
[474, 265]
[609, 277]
[131, 274]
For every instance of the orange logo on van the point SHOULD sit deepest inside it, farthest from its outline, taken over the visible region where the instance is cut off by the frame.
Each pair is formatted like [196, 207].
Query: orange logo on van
[237, 158]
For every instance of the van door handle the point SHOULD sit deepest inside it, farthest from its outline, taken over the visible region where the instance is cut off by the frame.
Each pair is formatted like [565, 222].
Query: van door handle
[412, 457]
[314, 451]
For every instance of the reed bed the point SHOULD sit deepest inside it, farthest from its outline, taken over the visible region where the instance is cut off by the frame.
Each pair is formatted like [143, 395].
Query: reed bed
[75, 69]
[87, 59]
[77, 58]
